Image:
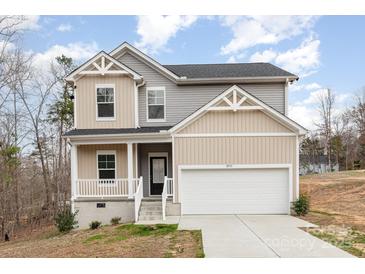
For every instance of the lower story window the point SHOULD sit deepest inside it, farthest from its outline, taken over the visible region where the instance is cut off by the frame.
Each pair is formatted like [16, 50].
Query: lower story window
[106, 165]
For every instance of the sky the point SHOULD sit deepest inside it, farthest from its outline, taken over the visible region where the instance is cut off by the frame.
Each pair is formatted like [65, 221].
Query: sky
[324, 51]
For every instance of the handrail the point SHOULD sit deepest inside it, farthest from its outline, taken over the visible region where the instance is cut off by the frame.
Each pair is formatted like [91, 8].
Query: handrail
[166, 192]
[164, 198]
[138, 196]
[104, 187]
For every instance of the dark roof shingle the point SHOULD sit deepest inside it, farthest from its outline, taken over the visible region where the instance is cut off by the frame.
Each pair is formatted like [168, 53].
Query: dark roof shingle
[192, 71]
[101, 131]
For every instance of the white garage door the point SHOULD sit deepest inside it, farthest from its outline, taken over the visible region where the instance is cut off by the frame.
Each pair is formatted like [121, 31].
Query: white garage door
[234, 191]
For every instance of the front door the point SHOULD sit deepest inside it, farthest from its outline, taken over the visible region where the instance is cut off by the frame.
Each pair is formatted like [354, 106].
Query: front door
[158, 170]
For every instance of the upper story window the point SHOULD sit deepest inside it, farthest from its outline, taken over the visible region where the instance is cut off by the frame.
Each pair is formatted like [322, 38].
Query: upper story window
[106, 164]
[105, 102]
[156, 104]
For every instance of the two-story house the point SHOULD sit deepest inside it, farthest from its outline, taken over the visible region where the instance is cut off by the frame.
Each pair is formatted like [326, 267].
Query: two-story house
[152, 140]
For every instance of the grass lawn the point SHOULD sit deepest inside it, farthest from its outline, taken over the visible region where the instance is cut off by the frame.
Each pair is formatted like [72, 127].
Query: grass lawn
[337, 205]
[124, 241]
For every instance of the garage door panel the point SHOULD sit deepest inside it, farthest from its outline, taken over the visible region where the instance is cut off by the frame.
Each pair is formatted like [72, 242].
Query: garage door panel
[234, 191]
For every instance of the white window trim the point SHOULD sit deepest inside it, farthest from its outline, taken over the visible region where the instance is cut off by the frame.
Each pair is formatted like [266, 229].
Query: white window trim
[103, 119]
[164, 103]
[106, 152]
[156, 154]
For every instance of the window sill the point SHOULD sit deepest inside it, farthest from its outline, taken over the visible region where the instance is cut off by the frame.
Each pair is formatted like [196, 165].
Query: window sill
[105, 119]
[156, 120]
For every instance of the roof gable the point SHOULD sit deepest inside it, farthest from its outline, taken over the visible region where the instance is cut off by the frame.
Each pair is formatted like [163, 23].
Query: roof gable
[102, 64]
[237, 99]
[126, 47]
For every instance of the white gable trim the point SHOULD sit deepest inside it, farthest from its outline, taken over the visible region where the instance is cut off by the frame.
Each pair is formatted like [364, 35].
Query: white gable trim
[265, 108]
[103, 69]
[145, 58]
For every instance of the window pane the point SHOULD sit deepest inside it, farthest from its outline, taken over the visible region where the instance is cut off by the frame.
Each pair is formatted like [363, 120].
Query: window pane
[160, 101]
[101, 157]
[109, 97]
[107, 174]
[105, 94]
[151, 100]
[102, 164]
[159, 93]
[100, 98]
[100, 91]
[110, 157]
[110, 165]
[106, 110]
[156, 112]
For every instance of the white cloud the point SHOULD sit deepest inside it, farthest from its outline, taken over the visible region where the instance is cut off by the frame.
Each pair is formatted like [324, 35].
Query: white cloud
[297, 87]
[305, 115]
[78, 51]
[249, 31]
[156, 30]
[265, 56]
[314, 96]
[306, 112]
[302, 60]
[64, 27]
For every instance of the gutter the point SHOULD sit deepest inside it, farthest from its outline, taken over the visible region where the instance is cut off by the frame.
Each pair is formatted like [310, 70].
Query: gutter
[230, 80]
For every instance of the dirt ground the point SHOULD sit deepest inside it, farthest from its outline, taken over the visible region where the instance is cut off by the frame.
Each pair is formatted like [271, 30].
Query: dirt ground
[122, 241]
[337, 205]
[336, 198]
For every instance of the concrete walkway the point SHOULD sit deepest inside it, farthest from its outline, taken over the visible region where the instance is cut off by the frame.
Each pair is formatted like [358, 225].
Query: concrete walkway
[258, 236]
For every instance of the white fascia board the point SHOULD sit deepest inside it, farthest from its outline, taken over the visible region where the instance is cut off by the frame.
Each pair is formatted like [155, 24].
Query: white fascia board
[120, 138]
[268, 110]
[71, 77]
[229, 80]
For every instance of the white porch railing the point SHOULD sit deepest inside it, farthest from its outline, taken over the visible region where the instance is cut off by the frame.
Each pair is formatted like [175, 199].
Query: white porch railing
[104, 187]
[138, 196]
[166, 192]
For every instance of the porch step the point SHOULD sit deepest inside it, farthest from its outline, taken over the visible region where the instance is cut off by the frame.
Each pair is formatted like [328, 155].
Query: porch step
[151, 210]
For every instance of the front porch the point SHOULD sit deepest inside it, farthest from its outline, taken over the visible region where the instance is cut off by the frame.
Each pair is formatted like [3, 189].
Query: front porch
[127, 171]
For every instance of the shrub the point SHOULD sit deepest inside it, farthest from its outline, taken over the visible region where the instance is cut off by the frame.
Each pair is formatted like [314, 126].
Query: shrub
[301, 205]
[115, 220]
[95, 225]
[65, 220]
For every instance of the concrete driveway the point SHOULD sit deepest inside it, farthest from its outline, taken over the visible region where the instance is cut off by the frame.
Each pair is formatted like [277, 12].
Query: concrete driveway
[258, 236]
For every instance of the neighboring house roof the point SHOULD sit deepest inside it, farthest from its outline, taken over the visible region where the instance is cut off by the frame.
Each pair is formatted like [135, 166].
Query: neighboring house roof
[209, 73]
[106, 131]
[103, 69]
[265, 108]
[194, 71]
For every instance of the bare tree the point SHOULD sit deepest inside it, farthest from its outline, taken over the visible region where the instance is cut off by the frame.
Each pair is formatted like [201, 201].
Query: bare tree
[34, 95]
[326, 102]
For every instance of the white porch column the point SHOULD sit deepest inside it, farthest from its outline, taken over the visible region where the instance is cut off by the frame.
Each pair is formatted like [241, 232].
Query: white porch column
[74, 175]
[130, 169]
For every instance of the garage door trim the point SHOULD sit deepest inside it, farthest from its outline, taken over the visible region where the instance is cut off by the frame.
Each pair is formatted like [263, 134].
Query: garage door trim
[229, 166]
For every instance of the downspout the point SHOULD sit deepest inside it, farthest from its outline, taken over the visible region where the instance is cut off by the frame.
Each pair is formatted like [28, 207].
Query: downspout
[286, 97]
[136, 116]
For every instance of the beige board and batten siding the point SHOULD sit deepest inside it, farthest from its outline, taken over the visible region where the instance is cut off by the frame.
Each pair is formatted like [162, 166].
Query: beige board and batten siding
[86, 158]
[86, 102]
[181, 101]
[234, 150]
[234, 122]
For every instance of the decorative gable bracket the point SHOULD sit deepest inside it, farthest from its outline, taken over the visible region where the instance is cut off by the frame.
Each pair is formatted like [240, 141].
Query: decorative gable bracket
[103, 64]
[234, 101]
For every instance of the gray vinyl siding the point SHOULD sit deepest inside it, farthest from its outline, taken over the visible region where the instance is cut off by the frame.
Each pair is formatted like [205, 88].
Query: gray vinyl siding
[143, 165]
[181, 101]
